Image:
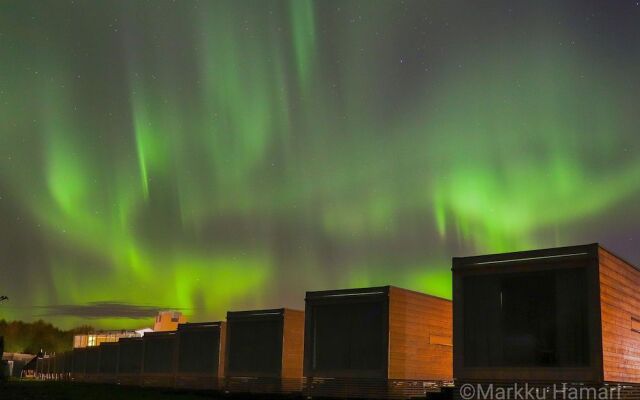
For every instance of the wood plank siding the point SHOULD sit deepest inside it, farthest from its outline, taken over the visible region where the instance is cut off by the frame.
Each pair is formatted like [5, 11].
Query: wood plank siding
[293, 344]
[620, 308]
[414, 320]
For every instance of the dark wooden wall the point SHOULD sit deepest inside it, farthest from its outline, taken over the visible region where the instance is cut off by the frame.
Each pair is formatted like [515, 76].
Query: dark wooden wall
[420, 336]
[620, 304]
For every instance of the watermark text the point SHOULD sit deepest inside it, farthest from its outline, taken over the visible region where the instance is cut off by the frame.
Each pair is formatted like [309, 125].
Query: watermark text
[525, 391]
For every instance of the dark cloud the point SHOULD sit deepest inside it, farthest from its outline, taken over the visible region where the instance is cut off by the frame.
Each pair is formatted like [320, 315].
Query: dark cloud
[101, 309]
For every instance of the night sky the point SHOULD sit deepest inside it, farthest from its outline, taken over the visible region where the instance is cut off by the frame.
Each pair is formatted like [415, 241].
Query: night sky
[226, 155]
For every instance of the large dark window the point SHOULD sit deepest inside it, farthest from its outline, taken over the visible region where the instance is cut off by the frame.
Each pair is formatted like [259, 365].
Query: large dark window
[255, 347]
[130, 356]
[79, 361]
[349, 337]
[93, 360]
[199, 350]
[108, 359]
[158, 354]
[533, 319]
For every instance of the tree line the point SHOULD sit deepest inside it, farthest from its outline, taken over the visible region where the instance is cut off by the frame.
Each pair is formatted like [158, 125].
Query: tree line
[32, 337]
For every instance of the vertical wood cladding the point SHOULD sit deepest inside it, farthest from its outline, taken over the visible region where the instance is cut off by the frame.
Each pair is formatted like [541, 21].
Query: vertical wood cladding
[223, 350]
[620, 307]
[293, 344]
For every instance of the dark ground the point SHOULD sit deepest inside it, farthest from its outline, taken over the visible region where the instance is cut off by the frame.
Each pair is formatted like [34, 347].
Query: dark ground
[42, 390]
[38, 390]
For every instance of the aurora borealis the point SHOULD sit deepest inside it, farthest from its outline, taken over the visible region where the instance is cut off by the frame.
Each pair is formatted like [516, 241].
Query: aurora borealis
[225, 155]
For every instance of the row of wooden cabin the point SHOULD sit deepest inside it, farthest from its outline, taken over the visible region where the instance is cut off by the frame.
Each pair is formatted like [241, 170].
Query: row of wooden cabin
[378, 342]
[564, 315]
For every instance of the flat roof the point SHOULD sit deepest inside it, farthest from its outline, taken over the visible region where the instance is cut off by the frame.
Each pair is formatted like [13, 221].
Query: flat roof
[199, 325]
[549, 254]
[362, 292]
[158, 334]
[585, 251]
[251, 314]
[348, 293]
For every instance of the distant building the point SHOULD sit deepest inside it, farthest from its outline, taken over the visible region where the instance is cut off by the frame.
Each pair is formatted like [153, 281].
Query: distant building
[95, 338]
[168, 321]
[165, 321]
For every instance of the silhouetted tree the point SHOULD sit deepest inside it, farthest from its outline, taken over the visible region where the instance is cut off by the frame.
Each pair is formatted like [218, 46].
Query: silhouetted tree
[30, 337]
[2, 298]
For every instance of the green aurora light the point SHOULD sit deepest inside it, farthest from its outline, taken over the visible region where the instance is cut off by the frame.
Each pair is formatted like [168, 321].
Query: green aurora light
[224, 155]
